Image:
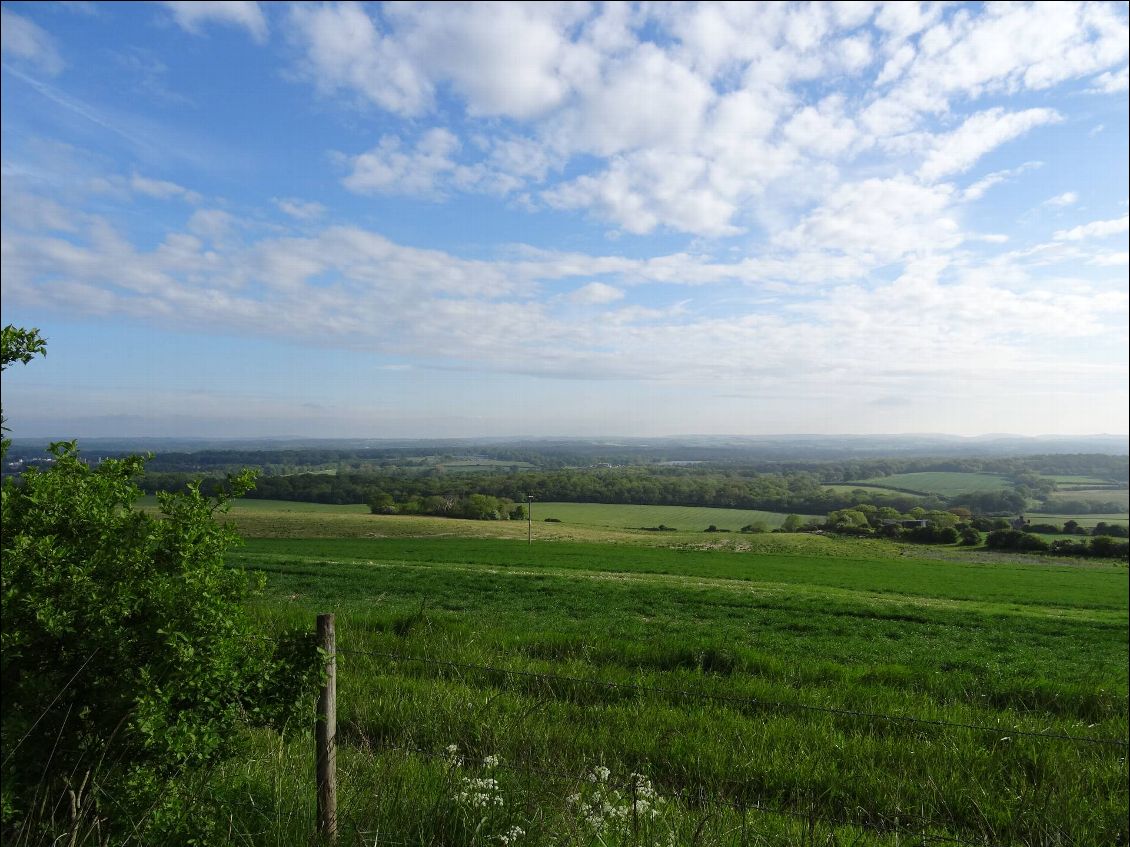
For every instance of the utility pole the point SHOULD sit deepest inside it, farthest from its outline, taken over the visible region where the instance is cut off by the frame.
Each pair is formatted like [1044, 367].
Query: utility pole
[530, 519]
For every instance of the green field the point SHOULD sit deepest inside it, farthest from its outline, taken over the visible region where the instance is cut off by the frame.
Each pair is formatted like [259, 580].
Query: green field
[1099, 495]
[1082, 520]
[939, 482]
[1066, 479]
[691, 518]
[759, 682]
[869, 490]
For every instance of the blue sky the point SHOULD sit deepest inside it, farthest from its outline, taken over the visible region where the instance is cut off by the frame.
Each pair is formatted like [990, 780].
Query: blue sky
[442, 220]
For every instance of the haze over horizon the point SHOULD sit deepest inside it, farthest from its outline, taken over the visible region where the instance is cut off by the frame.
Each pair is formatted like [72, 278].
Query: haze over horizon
[440, 221]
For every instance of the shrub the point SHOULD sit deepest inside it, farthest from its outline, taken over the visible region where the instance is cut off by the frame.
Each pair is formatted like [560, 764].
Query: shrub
[970, 537]
[1113, 530]
[1012, 539]
[128, 657]
[125, 638]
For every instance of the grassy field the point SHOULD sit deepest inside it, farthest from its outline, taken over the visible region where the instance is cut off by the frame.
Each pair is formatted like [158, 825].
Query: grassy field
[943, 483]
[1082, 520]
[747, 684]
[691, 518]
[1069, 480]
[871, 490]
[1101, 495]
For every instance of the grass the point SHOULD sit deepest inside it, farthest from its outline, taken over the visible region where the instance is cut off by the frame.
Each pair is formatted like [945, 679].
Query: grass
[571, 653]
[871, 490]
[1101, 495]
[689, 518]
[939, 482]
[1082, 520]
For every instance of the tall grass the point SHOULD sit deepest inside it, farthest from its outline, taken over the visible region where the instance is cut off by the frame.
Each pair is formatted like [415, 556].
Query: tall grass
[745, 758]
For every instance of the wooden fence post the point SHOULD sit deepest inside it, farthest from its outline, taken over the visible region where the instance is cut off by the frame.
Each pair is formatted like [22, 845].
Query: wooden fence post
[325, 735]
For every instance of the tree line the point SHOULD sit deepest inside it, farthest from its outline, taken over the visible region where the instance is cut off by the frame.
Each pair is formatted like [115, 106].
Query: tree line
[799, 491]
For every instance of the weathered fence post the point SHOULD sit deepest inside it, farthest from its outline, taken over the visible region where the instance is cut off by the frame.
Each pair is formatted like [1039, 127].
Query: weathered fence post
[325, 734]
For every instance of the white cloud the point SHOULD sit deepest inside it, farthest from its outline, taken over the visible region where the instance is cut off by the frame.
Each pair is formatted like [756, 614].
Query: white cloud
[1111, 260]
[389, 169]
[25, 40]
[353, 288]
[649, 189]
[303, 210]
[344, 50]
[162, 189]
[1095, 229]
[691, 118]
[879, 221]
[1067, 198]
[512, 59]
[980, 133]
[596, 293]
[1112, 83]
[191, 15]
[977, 190]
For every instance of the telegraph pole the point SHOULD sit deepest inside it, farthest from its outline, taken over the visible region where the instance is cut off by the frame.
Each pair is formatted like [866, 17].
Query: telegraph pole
[530, 519]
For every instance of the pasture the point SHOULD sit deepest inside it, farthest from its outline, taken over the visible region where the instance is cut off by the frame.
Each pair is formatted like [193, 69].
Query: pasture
[938, 482]
[689, 518]
[1097, 495]
[778, 690]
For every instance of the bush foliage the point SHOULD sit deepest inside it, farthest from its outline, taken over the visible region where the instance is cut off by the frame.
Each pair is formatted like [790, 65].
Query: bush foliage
[128, 656]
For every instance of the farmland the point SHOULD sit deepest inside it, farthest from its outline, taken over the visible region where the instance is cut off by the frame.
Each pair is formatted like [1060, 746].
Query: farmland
[633, 517]
[744, 682]
[939, 482]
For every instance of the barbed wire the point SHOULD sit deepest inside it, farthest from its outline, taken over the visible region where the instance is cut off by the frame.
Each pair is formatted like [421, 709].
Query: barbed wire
[736, 698]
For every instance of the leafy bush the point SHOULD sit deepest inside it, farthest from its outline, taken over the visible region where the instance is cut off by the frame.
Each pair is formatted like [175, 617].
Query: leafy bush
[1113, 530]
[970, 537]
[125, 638]
[931, 535]
[128, 658]
[1013, 539]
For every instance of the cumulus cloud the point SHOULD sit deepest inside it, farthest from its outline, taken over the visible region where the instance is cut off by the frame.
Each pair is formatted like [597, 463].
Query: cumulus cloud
[192, 15]
[23, 40]
[880, 221]
[390, 169]
[692, 118]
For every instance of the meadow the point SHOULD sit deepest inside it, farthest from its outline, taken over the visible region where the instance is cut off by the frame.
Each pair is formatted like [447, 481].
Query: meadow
[616, 687]
[691, 518]
[938, 482]
[1100, 495]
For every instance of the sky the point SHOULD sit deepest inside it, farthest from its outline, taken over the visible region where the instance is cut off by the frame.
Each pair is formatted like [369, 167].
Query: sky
[494, 219]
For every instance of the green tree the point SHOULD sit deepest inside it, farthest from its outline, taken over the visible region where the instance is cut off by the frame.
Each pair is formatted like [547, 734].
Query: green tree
[381, 503]
[18, 345]
[128, 657]
[792, 523]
